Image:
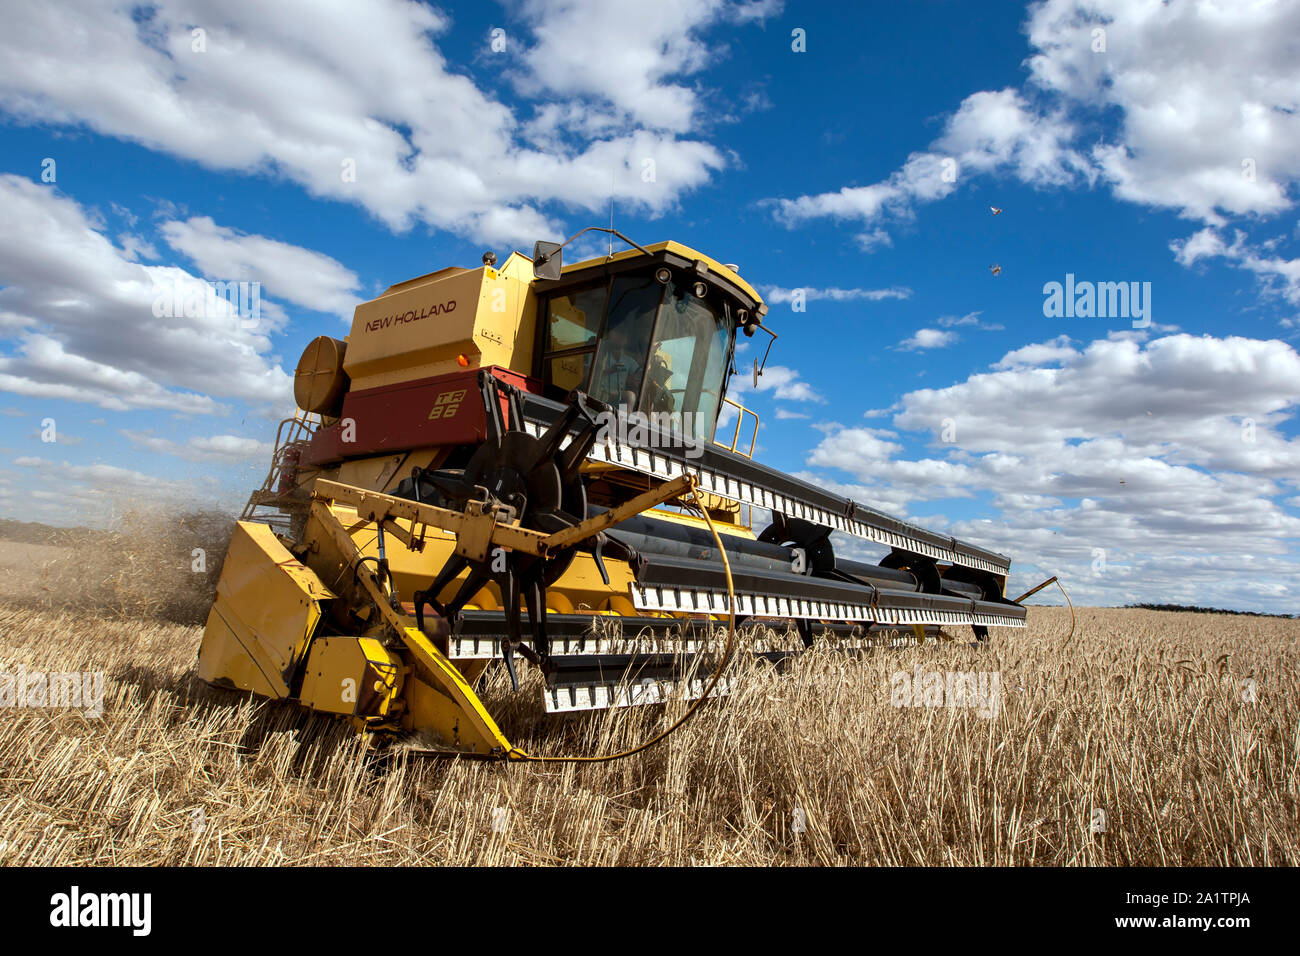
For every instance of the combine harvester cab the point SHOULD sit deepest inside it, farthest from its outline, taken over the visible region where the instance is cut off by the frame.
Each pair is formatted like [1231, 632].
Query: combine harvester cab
[543, 437]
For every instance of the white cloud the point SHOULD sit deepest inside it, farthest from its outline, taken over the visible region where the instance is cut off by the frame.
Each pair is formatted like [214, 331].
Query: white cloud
[136, 248]
[1277, 274]
[873, 239]
[1169, 456]
[1199, 89]
[847, 448]
[1180, 396]
[302, 276]
[98, 495]
[1204, 244]
[316, 91]
[206, 448]
[776, 295]
[642, 46]
[105, 480]
[928, 339]
[1205, 101]
[1039, 353]
[969, 320]
[1001, 130]
[784, 383]
[84, 327]
[868, 455]
[990, 132]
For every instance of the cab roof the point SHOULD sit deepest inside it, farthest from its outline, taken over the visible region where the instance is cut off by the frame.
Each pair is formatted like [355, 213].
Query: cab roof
[671, 250]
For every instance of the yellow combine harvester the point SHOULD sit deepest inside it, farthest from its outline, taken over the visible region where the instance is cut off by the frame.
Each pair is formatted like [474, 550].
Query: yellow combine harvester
[543, 436]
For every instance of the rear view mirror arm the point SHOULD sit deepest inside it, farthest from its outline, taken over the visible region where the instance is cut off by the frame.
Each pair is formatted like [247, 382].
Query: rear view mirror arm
[543, 252]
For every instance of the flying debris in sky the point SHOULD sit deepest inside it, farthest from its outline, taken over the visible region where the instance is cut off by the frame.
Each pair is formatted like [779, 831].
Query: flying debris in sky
[995, 269]
[995, 210]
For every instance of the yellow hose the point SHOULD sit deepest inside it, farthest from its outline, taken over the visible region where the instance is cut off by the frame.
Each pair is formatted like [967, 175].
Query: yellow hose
[1054, 579]
[1067, 601]
[517, 754]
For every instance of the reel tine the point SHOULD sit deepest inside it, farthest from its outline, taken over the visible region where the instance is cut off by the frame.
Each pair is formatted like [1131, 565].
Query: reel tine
[476, 581]
[570, 459]
[455, 564]
[553, 436]
[597, 555]
[537, 616]
[510, 592]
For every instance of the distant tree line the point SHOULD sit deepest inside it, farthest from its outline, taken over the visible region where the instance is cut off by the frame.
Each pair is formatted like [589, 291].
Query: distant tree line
[1205, 610]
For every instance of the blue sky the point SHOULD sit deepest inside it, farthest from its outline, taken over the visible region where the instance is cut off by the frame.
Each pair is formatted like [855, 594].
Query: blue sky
[1151, 464]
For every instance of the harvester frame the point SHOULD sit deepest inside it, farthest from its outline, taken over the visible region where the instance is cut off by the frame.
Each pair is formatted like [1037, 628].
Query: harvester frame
[453, 462]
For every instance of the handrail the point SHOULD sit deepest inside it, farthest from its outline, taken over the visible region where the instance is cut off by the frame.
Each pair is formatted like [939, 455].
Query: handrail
[735, 438]
[300, 429]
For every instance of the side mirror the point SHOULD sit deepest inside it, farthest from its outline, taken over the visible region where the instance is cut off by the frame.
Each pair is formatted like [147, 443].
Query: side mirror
[547, 260]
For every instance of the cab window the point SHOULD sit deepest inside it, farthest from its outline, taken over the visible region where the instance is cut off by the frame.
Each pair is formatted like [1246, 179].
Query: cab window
[571, 327]
[573, 319]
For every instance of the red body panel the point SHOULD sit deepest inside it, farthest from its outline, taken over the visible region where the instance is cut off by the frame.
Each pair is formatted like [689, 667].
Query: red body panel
[425, 413]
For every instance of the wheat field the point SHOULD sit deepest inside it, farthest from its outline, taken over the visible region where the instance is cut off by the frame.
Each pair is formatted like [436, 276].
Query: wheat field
[1142, 716]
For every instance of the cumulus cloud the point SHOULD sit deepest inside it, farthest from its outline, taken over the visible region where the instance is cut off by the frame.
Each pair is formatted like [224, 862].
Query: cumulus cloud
[991, 131]
[782, 382]
[644, 47]
[1206, 96]
[927, 339]
[302, 276]
[1277, 274]
[1185, 106]
[1038, 353]
[361, 105]
[89, 333]
[204, 448]
[1168, 456]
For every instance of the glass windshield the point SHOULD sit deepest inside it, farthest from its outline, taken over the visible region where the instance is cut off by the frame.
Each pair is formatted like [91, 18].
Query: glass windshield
[663, 351]
[688, 360]
[621, 357]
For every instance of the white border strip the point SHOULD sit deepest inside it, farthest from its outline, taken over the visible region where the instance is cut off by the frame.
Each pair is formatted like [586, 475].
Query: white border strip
[648, 462]
[700, 601]
[604, 695]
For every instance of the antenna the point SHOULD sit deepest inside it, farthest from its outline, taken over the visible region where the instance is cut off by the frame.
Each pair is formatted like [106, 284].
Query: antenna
[613, 173]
